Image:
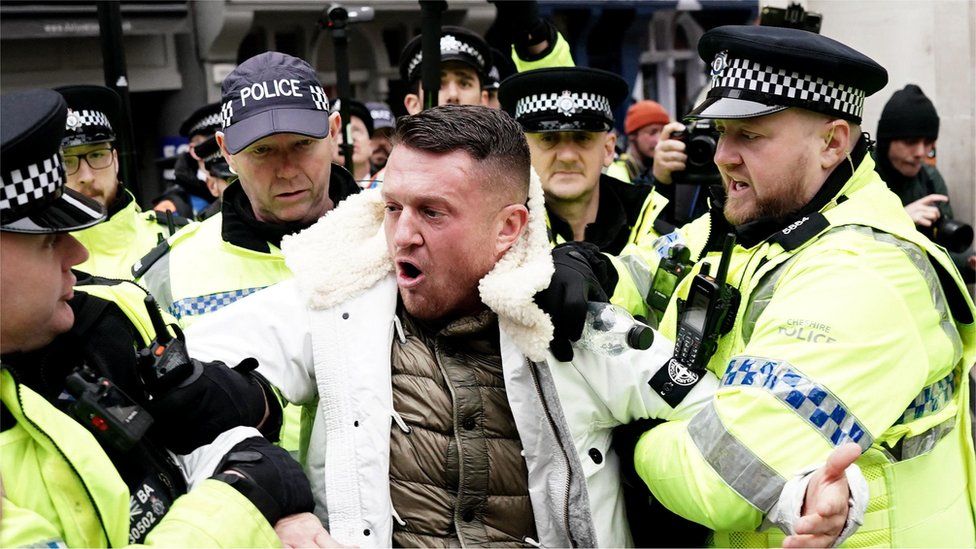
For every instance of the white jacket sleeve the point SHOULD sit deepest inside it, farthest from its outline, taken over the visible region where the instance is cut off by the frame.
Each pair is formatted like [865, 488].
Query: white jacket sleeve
[271, 325]
[621, 382]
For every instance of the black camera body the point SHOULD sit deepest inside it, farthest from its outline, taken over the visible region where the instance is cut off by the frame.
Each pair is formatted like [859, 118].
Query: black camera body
[701, 140]
[953, 235]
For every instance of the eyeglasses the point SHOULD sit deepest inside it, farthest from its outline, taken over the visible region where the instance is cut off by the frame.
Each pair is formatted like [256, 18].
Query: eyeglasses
[97, 160]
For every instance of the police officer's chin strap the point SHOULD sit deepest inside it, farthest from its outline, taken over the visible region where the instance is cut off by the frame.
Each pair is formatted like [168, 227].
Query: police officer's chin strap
[752, 233]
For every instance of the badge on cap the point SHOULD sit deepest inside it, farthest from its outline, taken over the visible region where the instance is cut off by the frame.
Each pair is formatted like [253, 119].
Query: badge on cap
[567, 105]
[449, 44]
[718, 66]
[72, 120]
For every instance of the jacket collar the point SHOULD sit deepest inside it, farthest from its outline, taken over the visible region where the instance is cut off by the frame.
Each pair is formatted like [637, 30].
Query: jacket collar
[344, 254]
[241, 228]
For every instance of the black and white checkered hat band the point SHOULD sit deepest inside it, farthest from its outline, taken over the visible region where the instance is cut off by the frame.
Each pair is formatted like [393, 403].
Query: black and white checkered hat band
[449, 45]
[78, 120]
[27, 184]
[744, 74]
[566, 104]
[211, 121]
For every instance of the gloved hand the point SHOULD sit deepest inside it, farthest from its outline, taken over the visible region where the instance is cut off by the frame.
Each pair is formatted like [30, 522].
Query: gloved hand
[582, 274]
[211, 400]
[271, 479]
[521, 19]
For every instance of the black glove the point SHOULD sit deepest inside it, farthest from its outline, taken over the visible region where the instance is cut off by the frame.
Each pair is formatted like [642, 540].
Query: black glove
[522, 21]
[582, 274]
[273, 481]
[213, 399]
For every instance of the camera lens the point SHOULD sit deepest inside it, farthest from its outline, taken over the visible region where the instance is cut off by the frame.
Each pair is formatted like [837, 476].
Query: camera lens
[701, 151]
[955, 236]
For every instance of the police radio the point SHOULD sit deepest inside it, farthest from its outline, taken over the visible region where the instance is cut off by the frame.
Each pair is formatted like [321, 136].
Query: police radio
[670, 272]
[166, 362]
[706, 315]
[110, 414]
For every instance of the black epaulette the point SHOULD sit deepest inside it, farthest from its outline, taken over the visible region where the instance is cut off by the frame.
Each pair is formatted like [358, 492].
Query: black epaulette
[170, 219]
[140, 267]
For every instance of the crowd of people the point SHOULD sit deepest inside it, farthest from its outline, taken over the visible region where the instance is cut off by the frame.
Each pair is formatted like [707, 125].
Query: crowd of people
[289, 350]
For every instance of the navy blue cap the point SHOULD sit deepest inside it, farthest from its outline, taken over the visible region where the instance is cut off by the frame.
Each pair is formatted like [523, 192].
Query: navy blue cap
[33, 198]
[457, 44]
[381, 114]
[760, 70]
[271, 93]
[92, 113]
[563, 99]
[204, 121]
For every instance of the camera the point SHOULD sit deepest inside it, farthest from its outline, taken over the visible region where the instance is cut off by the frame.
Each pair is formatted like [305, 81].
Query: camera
[792, 17]
[701, 140]
[952, 235]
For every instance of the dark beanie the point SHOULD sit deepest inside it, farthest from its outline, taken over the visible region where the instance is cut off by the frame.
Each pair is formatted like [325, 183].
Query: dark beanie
[908, 114]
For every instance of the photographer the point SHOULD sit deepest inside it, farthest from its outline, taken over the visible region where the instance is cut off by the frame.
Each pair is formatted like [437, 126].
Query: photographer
[907, 131]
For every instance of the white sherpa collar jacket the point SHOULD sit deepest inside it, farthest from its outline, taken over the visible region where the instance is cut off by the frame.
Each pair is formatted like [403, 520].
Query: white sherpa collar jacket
[324, 339]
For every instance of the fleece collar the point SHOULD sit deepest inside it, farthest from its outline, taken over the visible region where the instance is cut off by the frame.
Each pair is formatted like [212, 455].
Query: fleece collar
[344, 254]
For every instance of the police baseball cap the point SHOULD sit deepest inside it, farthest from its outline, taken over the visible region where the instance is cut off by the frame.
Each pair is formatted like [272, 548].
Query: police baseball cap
[213, 161]
[92, 113]
[204, 121]
[33, 198]
[563, 99]
[759, 70]
[381, 114]
[272, 93]
[357, 109]
[457, 44]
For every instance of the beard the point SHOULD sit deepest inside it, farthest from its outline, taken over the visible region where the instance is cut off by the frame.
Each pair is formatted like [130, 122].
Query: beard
[785, 199]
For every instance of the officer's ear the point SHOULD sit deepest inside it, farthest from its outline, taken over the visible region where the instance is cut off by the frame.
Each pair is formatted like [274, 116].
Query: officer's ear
[335, 126]
[836, 135]
[609, 149]
[484, 99]
[219, 136]
[412, 103]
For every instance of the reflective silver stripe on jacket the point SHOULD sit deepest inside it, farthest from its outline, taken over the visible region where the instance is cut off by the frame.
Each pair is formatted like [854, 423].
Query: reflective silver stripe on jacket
[810, 400]
[738, 466]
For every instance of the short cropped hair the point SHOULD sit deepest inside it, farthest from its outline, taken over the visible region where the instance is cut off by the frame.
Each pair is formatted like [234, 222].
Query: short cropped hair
[490, 136]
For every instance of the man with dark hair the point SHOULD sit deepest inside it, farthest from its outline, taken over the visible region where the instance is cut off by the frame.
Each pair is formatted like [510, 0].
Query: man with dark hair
[907, 130]
[492, 439]
[91, 164]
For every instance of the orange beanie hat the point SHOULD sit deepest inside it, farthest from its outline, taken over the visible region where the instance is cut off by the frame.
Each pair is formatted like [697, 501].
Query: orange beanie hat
[642, 113]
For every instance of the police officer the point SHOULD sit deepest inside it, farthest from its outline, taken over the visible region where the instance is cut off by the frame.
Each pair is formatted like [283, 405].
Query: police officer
[218, 171]
[189, 196]
[852, 327]
[567, 114]
[360, 128]
[383, 124]
[83, 462]
[464, 63]
[91, 164]
[278, 137]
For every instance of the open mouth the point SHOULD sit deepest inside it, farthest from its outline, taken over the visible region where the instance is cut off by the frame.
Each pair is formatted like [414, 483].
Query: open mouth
[736, 186]
[408, 274]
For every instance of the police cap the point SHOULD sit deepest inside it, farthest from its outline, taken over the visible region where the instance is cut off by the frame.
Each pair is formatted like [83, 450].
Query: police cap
[213, 161]
[563, 99]
[33, 198]
[272, 93]
[457, 44]
[204, 121]
[759, 70]
[93, 111]
[381, 114]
